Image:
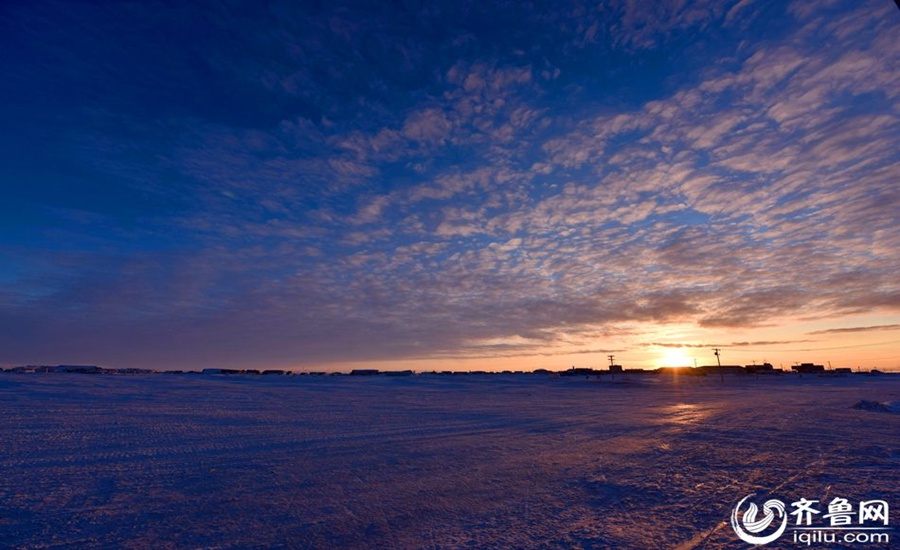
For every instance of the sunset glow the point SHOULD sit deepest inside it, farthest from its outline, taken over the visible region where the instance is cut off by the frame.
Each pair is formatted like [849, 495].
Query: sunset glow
[676, 358]
[458, 186]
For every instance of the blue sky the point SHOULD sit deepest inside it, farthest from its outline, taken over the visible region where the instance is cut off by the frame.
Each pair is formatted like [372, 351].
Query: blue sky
[464, 185]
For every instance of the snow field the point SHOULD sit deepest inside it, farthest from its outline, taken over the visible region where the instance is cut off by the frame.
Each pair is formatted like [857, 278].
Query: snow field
[523, 461]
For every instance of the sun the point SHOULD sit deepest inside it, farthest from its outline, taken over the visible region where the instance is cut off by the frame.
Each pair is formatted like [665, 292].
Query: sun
[675, 357]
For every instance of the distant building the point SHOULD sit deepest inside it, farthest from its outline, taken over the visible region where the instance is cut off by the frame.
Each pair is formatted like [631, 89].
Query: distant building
[686, 371]
[615, 369]
[25, 369]
[82, 369]
[364, 372]
[806, 368]
[580, 371]
[722, 369]
[765, 368]
[129, 371]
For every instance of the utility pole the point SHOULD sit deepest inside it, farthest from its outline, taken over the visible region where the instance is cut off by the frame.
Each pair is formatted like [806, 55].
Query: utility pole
[718, 362]
[611, 362]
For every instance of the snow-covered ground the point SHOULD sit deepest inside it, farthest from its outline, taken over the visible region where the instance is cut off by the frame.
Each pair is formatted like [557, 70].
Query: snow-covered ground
[165, 461]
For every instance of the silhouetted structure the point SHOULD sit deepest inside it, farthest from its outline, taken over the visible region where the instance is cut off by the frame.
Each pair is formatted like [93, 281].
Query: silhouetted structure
[580, 371]
[686, 371]
[722, 369]
[805, 368]
[765, 368]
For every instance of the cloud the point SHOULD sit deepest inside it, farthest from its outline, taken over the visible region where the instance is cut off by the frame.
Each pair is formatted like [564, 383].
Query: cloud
[428, 126]
[843, 330]
[761, 343]
[371, 193]
[372, 211]
[643, 26]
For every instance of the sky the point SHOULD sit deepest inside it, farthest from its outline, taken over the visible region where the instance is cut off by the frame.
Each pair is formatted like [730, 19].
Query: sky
[449, 185]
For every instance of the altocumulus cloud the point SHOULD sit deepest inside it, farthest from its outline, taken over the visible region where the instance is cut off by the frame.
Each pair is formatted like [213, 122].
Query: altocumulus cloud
[204, 184]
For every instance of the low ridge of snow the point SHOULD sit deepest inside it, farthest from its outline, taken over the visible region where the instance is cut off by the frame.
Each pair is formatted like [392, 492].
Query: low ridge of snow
[888, 406]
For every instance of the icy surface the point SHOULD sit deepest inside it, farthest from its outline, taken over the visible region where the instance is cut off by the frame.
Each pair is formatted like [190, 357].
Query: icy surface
[427, 461]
